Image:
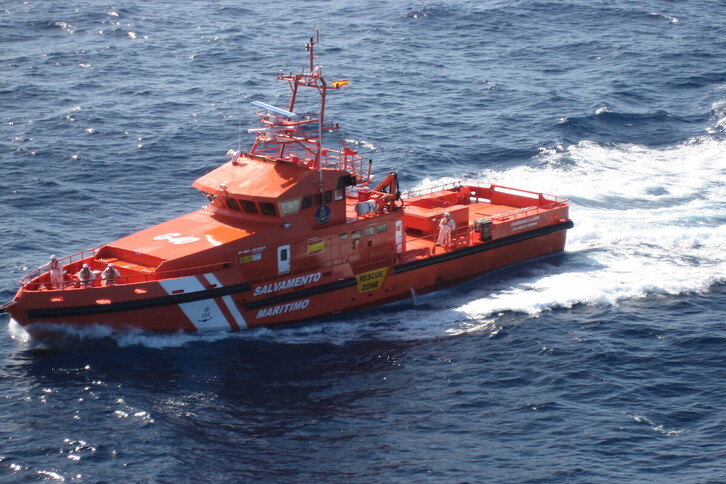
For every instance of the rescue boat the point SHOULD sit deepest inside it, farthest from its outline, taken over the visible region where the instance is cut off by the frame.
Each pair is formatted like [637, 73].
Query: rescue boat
[292, 231]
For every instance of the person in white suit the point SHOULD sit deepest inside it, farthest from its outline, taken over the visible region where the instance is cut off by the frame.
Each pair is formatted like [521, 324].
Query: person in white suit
[86, 276]
[109, 275]
[446, 227]
[56, 272]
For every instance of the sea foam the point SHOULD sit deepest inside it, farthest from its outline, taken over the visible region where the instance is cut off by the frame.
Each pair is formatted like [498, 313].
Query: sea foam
[648, 221]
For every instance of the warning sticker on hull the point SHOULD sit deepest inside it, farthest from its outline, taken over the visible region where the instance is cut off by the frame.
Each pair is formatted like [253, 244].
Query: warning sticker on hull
[371, 280]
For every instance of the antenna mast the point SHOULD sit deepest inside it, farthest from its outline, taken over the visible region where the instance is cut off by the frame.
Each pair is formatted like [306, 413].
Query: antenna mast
[285, 135]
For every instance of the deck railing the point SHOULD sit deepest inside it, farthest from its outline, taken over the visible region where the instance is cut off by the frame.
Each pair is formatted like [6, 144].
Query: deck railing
[492, 189]
[322, 266]
[437, 188]
[31, 283]
[521, 213]
[28, 278]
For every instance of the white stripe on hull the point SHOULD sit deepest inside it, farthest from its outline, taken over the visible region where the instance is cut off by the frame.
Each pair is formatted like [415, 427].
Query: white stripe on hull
[205, 315]
[231, 306]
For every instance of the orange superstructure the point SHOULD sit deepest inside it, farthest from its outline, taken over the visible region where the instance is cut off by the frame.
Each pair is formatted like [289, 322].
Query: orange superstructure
[294, 231]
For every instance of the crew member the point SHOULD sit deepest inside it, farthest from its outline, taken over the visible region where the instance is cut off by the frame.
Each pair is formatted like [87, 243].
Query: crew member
[109, 275]
[56, 273]
[86, 276]
[446, 226]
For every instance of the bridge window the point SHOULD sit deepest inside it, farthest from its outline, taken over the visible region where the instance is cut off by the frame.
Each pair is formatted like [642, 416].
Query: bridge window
[248, 206]
[232, 203]
[288, 207]
[268, 208]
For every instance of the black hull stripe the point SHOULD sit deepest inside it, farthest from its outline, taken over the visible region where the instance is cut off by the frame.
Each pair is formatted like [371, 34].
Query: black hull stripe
[139, 304]
[410, 266]
[473, 249]
[283, 298]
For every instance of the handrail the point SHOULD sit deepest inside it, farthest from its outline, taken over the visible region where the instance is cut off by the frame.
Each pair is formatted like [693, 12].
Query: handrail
[463, 231]
[275, 275]
[172, 274]
[312, 267]
[522, 212]
[63, 262]
[495, 188]
[435, 188]
[122, 280]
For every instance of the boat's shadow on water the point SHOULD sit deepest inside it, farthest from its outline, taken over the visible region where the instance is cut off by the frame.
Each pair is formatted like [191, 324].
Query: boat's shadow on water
[236, 377]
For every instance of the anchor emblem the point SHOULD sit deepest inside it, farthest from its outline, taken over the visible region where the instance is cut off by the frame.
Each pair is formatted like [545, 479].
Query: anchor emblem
[205, 316]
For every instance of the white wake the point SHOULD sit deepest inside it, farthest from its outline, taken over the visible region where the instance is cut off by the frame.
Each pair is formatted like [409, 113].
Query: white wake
[648, 221]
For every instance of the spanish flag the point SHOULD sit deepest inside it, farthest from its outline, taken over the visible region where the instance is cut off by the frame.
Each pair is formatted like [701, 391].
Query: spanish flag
[339, 84]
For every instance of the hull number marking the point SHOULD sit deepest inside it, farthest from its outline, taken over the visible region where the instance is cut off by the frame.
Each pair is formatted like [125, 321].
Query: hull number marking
[175, 239]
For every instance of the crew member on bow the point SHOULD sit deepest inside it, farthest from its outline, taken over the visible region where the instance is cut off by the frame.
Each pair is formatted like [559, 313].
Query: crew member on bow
[56, 273]
[109, 275]
[86, 276]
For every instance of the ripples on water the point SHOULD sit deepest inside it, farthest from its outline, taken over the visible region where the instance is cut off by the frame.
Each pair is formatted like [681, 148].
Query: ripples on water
[603, 364]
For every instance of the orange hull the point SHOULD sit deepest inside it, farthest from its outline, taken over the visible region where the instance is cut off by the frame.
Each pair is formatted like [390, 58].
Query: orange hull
[292, 232]
[224, 300]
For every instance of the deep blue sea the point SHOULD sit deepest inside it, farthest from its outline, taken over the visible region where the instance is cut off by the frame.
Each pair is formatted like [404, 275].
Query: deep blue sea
[604, 364]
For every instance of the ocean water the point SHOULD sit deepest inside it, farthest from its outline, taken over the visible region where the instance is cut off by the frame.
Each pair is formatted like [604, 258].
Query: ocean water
[602, 364]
